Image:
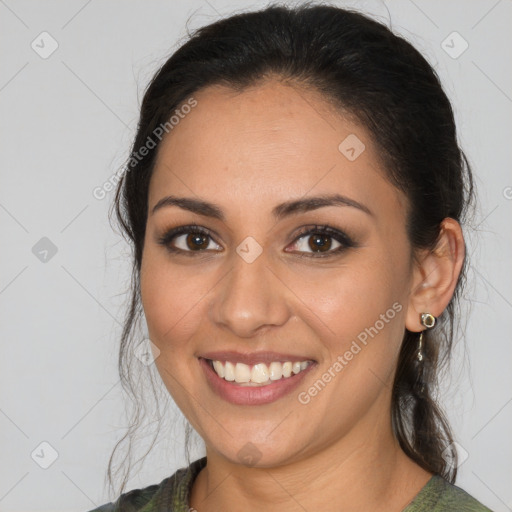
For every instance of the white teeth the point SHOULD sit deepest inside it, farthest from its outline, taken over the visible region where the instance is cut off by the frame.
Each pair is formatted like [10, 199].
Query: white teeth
[242, 373]
[219, 368]
[275, 371]
[229, 371]
[260, 373]
[287, 369]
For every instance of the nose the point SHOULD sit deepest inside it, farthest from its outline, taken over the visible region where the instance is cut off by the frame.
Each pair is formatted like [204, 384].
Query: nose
[250, 298]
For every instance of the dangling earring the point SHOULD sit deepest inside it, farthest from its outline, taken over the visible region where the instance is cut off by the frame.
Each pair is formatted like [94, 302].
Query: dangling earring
[428, 321]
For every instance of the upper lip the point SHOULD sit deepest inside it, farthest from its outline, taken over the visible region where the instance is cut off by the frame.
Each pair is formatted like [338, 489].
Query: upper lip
[253, 357]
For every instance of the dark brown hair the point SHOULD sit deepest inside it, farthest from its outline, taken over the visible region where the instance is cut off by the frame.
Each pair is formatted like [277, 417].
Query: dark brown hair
[363, 68]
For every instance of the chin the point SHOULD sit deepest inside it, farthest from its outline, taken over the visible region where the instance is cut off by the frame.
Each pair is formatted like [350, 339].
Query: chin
[257, 453]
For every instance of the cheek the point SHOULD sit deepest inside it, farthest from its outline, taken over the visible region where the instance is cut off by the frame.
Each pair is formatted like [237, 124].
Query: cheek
[171, 298]
[163, 303]
[357, 313]
[349, 298]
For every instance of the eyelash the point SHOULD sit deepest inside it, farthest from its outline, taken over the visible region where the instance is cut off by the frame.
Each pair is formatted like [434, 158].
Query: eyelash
[345, 241]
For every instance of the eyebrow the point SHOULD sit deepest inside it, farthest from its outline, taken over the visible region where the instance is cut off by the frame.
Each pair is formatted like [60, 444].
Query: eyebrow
[280, 211]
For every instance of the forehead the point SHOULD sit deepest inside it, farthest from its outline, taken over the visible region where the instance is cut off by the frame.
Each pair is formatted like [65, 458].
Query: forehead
[280, 140]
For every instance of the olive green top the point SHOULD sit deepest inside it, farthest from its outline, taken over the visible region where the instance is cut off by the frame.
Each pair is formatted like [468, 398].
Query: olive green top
[171, 495]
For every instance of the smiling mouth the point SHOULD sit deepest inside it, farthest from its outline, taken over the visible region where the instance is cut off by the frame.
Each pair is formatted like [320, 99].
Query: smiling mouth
[260, 374]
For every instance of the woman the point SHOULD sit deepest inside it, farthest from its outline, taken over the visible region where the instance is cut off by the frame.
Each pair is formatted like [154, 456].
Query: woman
[294, 198]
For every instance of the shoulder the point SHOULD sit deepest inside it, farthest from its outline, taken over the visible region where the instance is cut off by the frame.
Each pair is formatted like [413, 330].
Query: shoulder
[134, 500]
[170, 495]
[439, 495]
[455, 498]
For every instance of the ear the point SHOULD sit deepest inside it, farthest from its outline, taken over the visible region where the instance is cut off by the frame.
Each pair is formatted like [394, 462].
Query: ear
[435, 275]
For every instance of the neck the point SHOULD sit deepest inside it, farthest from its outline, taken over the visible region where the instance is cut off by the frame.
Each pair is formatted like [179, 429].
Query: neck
[358, 472]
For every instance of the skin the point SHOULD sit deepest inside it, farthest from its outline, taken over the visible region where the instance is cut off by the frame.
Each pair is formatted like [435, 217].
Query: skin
[248, 152]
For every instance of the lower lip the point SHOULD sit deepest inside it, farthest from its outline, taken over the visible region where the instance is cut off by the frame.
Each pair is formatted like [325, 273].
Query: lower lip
[251, 395]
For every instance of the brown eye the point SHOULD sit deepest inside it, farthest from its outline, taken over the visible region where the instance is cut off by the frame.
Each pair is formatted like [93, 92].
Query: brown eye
[321, 241]
[196, 241]
[317, 243]
[188, 240]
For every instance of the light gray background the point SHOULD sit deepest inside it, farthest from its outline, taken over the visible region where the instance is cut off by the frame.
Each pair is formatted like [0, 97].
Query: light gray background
[66, 125]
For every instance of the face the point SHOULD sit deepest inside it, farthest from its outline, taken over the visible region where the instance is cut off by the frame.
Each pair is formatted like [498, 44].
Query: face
[265, 274]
